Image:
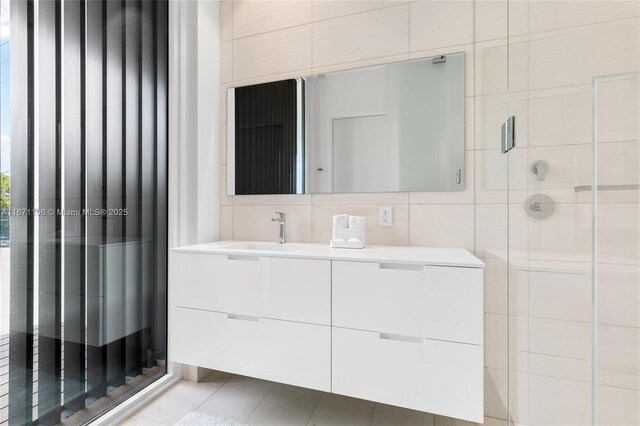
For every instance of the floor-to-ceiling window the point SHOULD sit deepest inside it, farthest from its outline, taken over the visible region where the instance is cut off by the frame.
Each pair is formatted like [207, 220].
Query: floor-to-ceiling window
[83, 197]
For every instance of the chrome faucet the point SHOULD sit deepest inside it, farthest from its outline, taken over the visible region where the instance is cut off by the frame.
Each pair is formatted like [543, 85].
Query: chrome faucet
[281, 221]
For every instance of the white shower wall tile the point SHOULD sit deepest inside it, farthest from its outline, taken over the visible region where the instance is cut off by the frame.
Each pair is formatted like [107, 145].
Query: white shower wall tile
[553, 15]
[442, 225]
[374, 34]
[436, 24]
[578, 54]
[249, 16]
[291, 47]
[330, 9]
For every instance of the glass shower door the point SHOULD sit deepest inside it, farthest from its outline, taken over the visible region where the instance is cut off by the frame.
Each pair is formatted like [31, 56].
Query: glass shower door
[615, 278]
[491, 203]
[573, 221]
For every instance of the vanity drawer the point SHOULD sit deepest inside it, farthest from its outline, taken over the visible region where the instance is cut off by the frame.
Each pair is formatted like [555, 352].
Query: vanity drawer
[217, 282]
[428, 375]
[436, 302]
[283, 351]
[279, 288]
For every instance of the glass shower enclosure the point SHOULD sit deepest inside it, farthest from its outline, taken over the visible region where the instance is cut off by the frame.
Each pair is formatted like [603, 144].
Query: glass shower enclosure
[558, 216]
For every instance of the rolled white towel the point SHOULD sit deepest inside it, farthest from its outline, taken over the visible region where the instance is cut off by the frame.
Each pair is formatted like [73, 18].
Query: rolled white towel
[340, 233]
[341, 221]
[355, 240]
[356, 222]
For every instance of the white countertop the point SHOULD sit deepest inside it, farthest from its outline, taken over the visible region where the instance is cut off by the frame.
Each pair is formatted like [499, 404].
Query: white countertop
[384, 254]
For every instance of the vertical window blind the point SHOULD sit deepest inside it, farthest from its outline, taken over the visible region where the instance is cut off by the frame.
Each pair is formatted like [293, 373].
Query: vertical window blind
[88, 205]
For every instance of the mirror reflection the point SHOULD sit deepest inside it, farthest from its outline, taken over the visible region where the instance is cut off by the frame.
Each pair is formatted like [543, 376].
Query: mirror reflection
[393, 127]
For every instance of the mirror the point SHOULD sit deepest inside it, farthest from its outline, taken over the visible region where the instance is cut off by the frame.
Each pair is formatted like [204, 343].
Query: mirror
[386, 128]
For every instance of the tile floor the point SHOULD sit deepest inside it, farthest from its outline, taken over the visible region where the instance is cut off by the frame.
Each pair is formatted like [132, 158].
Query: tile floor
[259, 402]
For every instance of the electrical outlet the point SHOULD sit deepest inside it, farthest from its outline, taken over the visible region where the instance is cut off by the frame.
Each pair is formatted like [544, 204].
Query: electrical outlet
[385, 216]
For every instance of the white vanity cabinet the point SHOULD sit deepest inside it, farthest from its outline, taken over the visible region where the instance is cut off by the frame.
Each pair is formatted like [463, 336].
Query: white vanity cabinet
[397, 325]
[409, 335]
[255, 315]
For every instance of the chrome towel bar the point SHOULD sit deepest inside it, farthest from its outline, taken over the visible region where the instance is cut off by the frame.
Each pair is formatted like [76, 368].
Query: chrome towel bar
[626, 187]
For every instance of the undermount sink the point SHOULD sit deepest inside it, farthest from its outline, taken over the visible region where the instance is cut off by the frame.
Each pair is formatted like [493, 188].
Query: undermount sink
[265, 247]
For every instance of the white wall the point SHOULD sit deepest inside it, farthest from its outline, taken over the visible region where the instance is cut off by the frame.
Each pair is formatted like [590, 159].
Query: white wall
[208, 95]
[194, 133]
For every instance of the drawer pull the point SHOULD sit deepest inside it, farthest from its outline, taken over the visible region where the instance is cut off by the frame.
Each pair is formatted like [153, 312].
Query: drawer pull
[400, 338]
[243, 317]
[240, 257]
[401, 266]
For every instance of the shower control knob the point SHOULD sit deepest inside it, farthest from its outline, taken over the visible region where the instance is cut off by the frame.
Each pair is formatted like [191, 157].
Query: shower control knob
[540, 206]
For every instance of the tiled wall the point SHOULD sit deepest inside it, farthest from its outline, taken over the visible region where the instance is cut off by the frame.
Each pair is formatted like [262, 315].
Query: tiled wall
[539, 327]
